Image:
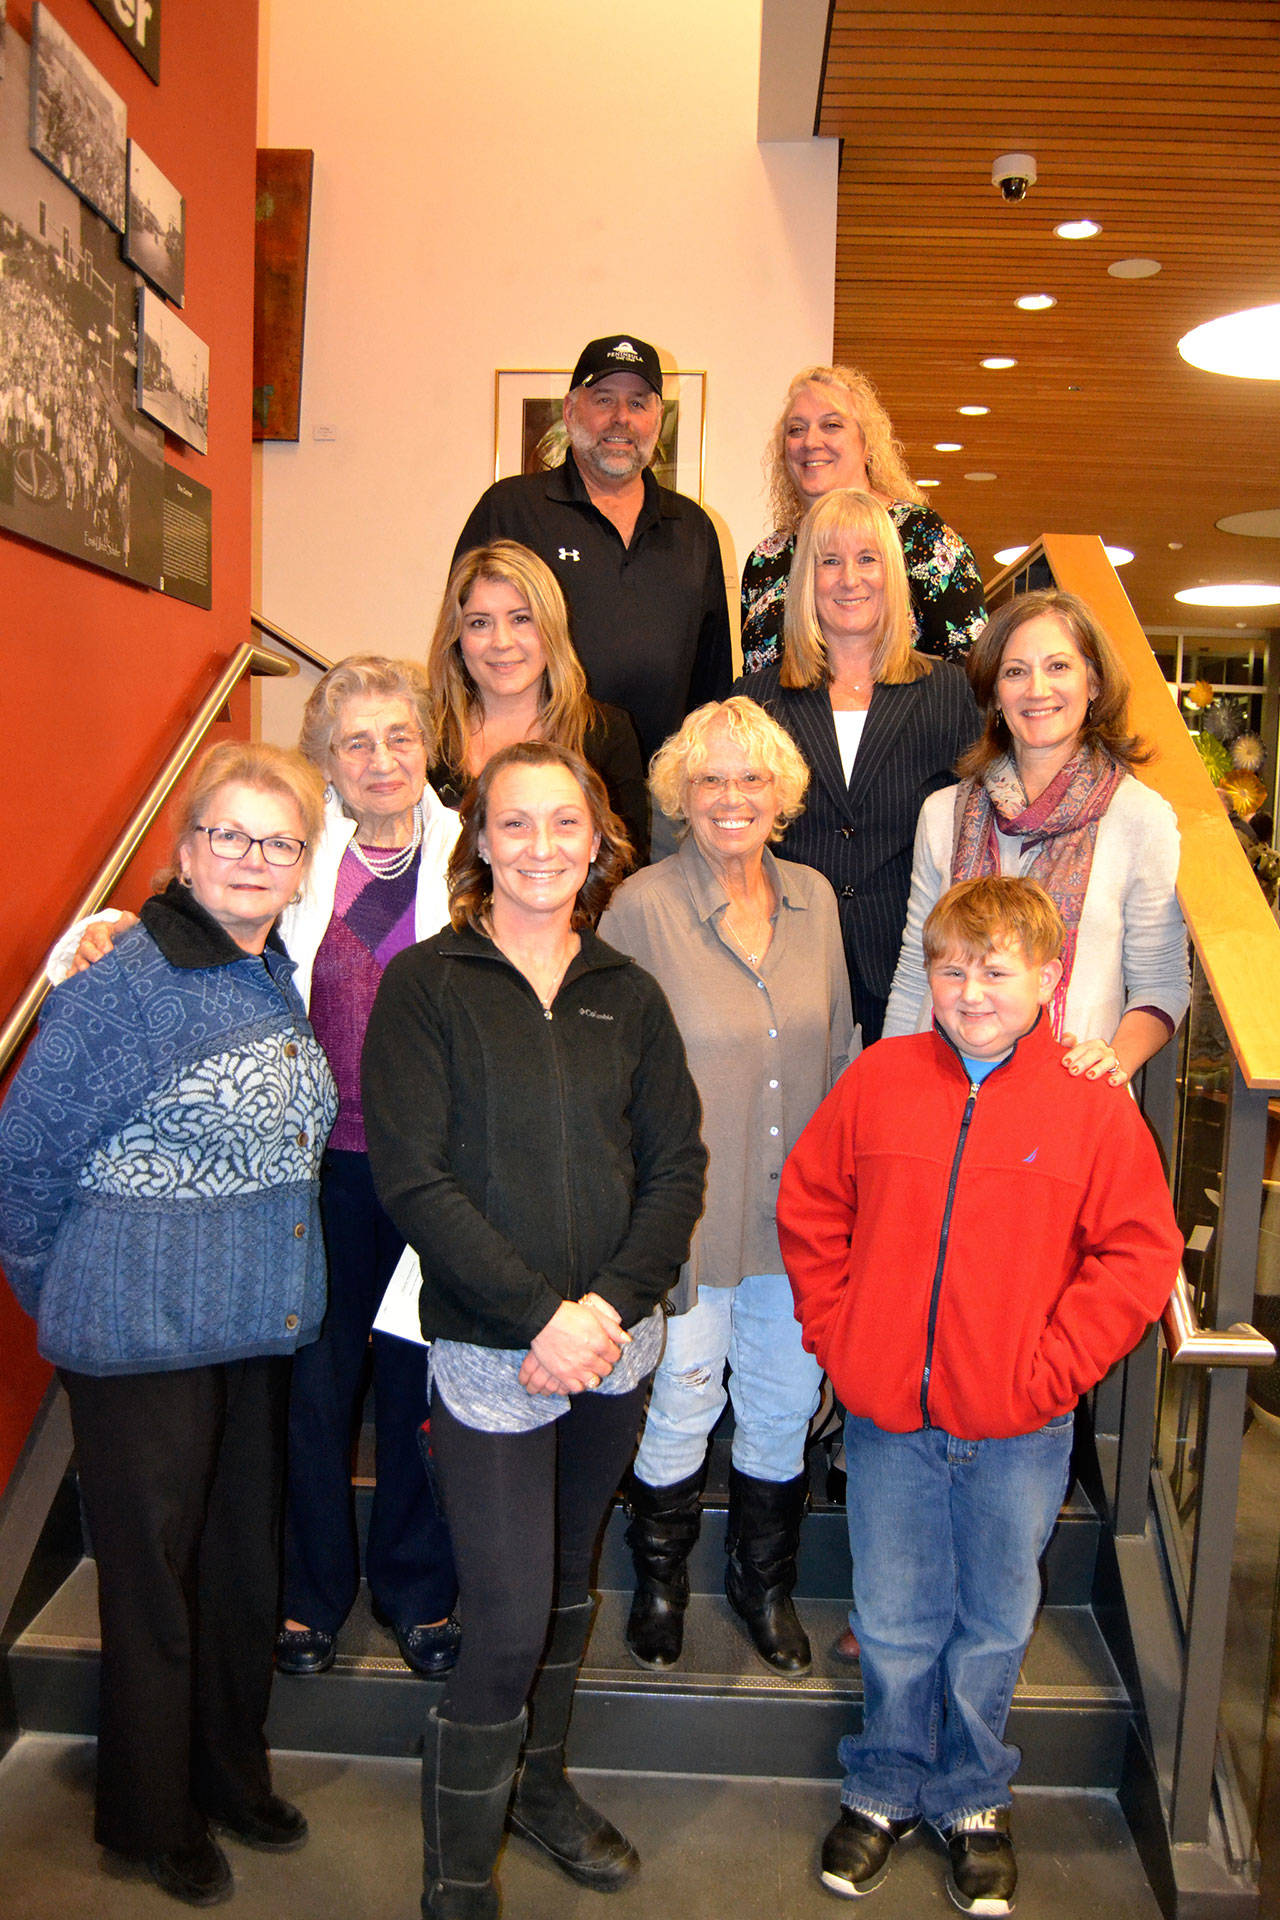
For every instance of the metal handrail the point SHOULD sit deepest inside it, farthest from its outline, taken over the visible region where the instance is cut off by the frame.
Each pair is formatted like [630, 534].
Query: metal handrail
[246, 655]
[284, 639]
[1191, 1345]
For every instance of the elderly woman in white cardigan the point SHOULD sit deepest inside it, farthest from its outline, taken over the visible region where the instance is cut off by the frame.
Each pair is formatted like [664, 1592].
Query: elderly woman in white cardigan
[1048, 792]
[748, 951]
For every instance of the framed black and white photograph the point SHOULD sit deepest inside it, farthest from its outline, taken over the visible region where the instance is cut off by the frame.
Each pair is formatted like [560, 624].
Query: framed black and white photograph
[81, 471]
[529, 434]
[155, 234]
[77, 121]
[173, 372]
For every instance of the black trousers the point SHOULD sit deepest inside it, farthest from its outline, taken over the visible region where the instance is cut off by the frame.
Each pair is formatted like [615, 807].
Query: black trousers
[525, 1511]
[407, 1557]
[182, 1475]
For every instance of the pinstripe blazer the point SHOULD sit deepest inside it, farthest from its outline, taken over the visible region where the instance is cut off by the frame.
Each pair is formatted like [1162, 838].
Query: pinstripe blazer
[860, 835]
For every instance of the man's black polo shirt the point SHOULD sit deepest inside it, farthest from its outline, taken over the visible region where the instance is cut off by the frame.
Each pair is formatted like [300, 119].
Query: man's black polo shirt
[650, 621]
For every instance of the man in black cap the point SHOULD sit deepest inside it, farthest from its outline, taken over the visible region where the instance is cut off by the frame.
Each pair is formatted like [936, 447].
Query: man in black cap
[640, 565]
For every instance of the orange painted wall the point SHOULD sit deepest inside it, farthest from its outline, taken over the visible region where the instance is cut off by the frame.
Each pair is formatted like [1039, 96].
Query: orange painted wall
[98, 677]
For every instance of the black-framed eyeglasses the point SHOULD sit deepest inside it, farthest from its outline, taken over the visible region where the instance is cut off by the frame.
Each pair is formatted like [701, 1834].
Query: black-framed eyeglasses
[278, 849]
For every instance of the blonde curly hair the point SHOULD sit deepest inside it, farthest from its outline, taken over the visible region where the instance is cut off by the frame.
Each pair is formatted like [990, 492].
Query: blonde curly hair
[769, 747]
[886, 463]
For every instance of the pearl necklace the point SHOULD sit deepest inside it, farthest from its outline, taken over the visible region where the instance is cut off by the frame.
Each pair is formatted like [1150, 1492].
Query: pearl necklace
[390, 863]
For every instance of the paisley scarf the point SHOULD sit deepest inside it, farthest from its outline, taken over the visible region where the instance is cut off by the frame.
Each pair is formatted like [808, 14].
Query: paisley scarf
[1061, 826]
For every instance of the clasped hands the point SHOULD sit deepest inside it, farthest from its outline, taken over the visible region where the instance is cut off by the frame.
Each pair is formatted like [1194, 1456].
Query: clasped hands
[580, 1344]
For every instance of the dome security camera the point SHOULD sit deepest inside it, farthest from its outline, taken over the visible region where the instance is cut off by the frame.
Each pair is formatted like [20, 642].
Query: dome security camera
[1013, 173]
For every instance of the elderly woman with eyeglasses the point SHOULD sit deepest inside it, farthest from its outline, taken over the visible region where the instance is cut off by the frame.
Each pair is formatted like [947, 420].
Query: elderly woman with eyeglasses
[159, 1152]
[747, 949]
[376, 885]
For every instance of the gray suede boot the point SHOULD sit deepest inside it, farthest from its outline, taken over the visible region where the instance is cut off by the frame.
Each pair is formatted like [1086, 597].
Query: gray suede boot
[466, 1786]
[546, 1807]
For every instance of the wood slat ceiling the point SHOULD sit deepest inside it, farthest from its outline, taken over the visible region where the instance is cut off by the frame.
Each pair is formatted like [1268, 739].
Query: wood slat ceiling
[1160, 119]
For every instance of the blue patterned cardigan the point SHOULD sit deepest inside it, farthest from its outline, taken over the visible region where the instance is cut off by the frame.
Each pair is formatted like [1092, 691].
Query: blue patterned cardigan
[159, 1155]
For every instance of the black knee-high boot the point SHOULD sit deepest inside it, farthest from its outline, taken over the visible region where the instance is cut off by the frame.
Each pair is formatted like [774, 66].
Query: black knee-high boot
[546, 1807]
[467, 1773]
[665, 1523]
[762, 1541]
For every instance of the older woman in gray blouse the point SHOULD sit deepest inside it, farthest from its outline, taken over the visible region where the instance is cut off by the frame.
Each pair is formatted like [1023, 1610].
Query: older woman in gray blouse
[748, 951]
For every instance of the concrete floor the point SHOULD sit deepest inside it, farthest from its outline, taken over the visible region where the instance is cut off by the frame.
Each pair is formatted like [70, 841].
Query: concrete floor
[713, 1849]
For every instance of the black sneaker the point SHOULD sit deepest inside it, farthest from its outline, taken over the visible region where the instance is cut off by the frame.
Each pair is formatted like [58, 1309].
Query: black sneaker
[983, 1875]
[856, 1852]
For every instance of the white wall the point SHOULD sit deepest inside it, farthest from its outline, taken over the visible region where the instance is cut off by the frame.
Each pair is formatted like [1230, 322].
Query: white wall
[497, 182]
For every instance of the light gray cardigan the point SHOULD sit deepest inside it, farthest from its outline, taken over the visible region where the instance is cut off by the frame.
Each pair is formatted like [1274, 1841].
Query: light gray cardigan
[1131, 950]
[764, 1050]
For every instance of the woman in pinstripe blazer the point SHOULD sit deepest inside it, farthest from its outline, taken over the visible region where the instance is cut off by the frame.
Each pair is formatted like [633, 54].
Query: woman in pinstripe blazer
[880, 725]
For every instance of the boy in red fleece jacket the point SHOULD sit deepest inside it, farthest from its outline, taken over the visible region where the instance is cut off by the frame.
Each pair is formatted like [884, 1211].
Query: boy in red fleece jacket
[973, 1238]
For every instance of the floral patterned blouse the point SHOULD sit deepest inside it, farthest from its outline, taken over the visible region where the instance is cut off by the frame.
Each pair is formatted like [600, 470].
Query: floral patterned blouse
[946, 588]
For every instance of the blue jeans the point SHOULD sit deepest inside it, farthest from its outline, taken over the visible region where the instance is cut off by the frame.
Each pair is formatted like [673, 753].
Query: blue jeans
[773, 1382]
[946, 1537]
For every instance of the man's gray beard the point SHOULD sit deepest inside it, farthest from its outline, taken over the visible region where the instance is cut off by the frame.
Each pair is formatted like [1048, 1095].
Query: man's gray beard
[589, 454]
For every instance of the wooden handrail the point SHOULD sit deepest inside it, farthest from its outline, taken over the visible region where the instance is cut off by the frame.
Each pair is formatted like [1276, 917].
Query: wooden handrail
[257, 660]
[283, 639]
[1229, 922]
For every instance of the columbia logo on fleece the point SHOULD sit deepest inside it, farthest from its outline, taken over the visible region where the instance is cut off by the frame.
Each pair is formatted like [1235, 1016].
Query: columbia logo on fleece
[589, 1013]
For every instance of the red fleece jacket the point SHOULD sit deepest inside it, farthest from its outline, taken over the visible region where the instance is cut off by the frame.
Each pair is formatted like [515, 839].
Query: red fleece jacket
[1056, 1249]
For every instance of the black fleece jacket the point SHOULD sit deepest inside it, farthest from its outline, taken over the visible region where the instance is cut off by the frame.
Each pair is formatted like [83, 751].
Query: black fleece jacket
[530, 1158]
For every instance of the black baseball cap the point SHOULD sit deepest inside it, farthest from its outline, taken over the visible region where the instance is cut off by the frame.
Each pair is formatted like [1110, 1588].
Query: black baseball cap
[617, 353]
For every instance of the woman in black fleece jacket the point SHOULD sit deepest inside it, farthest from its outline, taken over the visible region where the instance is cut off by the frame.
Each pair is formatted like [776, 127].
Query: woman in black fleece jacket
[533, 1132]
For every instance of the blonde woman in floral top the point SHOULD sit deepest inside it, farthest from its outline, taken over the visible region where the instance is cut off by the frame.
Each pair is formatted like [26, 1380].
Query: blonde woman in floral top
[833, 432]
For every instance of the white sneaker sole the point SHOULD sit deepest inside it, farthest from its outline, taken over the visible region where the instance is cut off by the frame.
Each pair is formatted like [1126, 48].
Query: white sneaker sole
[990, 1905]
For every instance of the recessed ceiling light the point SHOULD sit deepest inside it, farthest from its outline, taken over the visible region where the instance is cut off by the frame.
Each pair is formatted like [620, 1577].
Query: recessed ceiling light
[1262, 525]
[1237, 594]
[1175, 546]
[1035, 302]
[948, 446]
[928, 483]
[1077, 229]
[981, 476]
[998, 361]
[1007, 555]
[1246, 345]
[973, 410]
[1135, 269]
[1118, 556]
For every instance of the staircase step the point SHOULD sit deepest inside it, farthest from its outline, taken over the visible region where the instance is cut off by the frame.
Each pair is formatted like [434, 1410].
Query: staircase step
[721, 1711]
[823, 1566]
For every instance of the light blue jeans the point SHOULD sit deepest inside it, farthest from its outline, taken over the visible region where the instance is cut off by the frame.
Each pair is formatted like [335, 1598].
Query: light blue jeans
[946, 1536]
[773, 1382]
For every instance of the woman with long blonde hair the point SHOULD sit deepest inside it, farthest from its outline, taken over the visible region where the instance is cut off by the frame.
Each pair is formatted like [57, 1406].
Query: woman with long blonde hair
[502, 667]
[880, 725]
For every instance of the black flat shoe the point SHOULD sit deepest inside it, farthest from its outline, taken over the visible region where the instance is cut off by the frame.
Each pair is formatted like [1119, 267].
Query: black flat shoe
[303, 1650]
[430, 1650]
[197, 1875]
[273, 1826]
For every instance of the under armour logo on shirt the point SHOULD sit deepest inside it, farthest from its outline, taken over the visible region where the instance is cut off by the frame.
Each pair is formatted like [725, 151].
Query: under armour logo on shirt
[570, 553]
